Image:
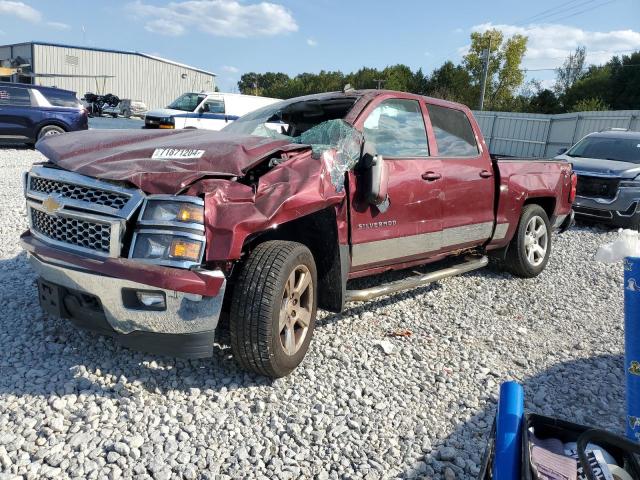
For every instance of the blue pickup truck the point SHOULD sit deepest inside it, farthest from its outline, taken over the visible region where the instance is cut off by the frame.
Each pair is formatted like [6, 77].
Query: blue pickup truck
[30, 112]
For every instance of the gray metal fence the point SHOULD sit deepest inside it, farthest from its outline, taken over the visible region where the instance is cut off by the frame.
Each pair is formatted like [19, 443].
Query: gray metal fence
[538, 135]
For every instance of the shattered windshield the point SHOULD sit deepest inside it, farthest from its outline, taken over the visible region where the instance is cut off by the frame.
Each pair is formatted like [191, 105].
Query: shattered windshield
[315, 122]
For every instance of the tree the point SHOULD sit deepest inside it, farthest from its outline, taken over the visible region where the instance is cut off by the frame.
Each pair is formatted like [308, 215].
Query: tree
[596, 83]
[504, 73]
[589, 105]
[625, 82]
[263, 84]
[449, 82]
[571, 70]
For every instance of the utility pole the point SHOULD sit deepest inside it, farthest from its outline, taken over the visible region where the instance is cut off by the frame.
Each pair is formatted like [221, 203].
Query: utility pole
[485, 71]
[379, 81]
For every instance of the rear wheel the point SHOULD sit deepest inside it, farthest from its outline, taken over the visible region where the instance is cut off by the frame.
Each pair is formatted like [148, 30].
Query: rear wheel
[273, 308]
[50, 130]
[529, 250]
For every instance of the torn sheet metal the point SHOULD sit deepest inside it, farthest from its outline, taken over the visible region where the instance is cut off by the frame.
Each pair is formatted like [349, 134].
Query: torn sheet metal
[234, 211]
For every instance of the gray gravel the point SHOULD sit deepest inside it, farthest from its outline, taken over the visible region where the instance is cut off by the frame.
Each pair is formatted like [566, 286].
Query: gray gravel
[76, 405]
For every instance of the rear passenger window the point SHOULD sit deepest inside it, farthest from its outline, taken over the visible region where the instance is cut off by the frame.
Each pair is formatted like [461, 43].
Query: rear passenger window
[14, 96]
[454, 135]
[61, 99]
[396, 129]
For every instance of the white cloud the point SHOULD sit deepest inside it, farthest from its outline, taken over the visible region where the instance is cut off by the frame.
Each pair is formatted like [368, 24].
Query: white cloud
[26, 12]
[20, 10]
[164, 27]
[58, 25]
[223, 18]
[230, 69]
[311, 42]
[549, 44]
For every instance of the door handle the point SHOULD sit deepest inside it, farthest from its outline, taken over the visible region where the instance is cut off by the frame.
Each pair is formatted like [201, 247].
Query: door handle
[431, 176]
[486, 174]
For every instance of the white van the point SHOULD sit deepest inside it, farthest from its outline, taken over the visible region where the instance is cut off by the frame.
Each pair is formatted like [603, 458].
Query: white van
[205, 110]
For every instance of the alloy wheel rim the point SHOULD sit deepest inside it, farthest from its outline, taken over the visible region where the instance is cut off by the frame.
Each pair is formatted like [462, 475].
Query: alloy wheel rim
[536, 241]
[296, 309]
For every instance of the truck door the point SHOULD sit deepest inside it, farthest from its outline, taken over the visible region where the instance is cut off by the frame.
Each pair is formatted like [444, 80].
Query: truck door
[16, 113]
[467, 209]
[411, 226]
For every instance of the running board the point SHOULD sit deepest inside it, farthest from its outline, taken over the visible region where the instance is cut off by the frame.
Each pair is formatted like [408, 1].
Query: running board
[415, 281]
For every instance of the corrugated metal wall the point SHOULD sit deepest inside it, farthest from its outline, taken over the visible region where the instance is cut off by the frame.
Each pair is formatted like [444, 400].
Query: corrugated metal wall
[537, 135]
[154, 82]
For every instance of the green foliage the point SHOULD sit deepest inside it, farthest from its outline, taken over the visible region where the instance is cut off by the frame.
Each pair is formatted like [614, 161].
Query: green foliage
[504, 73]
[589, 105]
[450, 82]
[613, 85]
[571, 70]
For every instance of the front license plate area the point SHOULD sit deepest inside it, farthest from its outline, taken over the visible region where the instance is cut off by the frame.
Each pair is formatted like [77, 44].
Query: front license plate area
[50, 296]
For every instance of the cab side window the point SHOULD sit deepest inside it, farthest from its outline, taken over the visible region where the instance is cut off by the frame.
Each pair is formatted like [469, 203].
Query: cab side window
[214, 106]
[453, 132]
[395, 128]
[13, 96]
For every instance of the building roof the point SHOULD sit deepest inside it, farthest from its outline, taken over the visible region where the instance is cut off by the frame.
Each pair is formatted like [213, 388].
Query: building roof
[125, 52]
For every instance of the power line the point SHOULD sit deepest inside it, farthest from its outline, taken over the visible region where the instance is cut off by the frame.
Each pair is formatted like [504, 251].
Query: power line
[575, 14]
[564, 7]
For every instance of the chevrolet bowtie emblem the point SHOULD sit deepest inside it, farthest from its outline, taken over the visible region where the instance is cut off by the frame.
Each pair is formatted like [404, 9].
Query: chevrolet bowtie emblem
[52, 204]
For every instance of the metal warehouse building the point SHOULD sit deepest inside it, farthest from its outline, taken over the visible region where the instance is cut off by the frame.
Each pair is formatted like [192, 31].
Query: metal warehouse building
[137, 76]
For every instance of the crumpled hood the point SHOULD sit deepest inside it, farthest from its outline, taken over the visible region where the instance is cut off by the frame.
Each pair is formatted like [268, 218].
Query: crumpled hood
[159, 161]
[598, 166]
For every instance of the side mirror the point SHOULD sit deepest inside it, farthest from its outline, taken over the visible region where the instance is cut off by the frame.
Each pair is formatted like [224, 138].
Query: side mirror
[562, 150]
[378, 184]
[202, 109]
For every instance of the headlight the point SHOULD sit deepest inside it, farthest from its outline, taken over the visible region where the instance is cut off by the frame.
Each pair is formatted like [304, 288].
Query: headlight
[170, 231]
[169, 211]
[630, 183]
[170, 248]
[172, 212]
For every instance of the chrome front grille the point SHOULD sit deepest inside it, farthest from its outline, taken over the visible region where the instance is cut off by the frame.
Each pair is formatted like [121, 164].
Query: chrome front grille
[78, 192]
[72, 231]
[76, 212]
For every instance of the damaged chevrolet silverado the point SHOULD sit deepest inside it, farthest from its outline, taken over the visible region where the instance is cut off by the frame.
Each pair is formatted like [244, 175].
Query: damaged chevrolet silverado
[161, 238]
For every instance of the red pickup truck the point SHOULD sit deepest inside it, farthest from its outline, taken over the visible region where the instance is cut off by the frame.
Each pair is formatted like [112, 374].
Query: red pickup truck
[162, 238]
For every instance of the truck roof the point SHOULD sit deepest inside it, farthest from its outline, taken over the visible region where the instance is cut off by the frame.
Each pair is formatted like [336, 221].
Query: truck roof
[372, 93]
[616, 134]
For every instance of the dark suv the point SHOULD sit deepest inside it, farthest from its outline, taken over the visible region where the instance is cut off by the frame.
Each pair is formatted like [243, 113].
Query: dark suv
[608, 168]
[30, 112]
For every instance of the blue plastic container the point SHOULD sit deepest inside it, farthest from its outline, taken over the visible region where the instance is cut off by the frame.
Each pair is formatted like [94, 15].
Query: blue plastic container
[508, 456]
[632, 344]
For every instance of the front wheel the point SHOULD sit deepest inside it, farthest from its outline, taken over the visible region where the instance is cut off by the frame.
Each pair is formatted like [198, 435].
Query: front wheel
[273, 308]
[529, 250]
[50, 130]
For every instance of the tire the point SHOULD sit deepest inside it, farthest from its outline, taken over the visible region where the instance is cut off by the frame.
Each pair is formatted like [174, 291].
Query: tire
[268, 287]
[529, 250]
[49, 130]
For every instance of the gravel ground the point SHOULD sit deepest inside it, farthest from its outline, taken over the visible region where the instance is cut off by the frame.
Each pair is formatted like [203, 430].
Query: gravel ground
[76, 405]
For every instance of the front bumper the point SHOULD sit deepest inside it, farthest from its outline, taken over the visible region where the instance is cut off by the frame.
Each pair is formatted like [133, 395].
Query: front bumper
[621, 211]
[185, 327]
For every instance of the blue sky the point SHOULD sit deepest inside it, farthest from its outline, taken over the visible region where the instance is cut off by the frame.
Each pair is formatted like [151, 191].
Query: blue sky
[231, 37]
